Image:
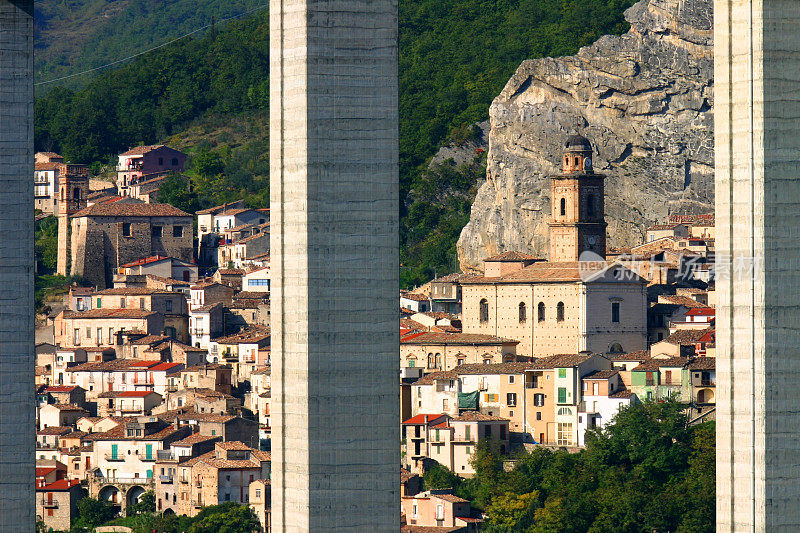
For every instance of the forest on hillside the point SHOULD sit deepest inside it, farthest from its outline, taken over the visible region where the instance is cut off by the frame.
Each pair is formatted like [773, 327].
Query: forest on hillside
[455, 56]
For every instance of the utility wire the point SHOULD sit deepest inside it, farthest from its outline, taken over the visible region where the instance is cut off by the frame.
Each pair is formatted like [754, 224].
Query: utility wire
[257, 8]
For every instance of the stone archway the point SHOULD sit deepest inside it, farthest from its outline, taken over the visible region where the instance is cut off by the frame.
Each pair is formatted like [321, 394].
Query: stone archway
[134, 495]
[705, 396]
[110, 494]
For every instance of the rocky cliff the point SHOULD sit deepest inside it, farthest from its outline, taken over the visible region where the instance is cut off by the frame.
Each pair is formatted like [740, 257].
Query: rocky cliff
[644, 99]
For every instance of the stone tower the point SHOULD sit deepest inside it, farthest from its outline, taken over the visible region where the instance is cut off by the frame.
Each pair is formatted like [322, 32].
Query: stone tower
[73, 188]
[757, 167]
[335, 255]
[577, 222]
[17, 402]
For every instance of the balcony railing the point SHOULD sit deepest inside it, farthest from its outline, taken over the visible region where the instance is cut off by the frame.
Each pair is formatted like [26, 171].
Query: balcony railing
[48, 504]
[650, 382]
[165, 479]
[114, 457]
[708, 383]
[129, 480]
[164, 455]
[197, 503]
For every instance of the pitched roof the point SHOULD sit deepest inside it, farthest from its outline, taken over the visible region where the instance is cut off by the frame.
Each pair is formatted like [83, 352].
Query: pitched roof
[118, 209]
[469, 339]
[565, 272]
[641, 355]
[141, 150]
[61, 388]
[132, 291]
[414, 296]
[147, 261]
[67, 407]
[511, 256]
[423, 419]
[684, 337]
[454, 278]
[449, 498]
[601, 374]
[476, 416]
[194, 439]
[127, 394]
[118, 433]
[702, 363]
[654, 364]
[60, 485]
[691, 303]
[55, 430]
[109, 313]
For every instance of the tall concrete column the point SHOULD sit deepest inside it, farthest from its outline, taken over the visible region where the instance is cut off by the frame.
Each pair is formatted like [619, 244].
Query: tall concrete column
[757, 136]
[17, 400]
[334, 248]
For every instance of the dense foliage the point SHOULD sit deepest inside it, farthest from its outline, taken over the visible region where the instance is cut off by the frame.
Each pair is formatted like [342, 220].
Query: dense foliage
[646, 471]
[455, 56]
[228, 517]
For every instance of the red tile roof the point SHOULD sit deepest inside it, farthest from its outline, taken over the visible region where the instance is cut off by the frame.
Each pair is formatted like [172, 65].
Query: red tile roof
[701, 311]
[60, 485]
[424, 419]
[470, 339]
[145, 261]
[141, 150]
[109, 313]
[61, 388]
[475, 416]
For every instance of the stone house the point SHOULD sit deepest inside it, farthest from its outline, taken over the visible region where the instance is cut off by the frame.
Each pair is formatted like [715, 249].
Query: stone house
[556, 308]
[57, 503]
[445, 351]
[67, 394]
[143, 163]
[208, 293]
[108, 235]
[260, 501]
[244, 351]
[662, 377]
[452, 443]
[127, 403]
[207, 376]
[439, 510]
[213, 222]
[222, 475]
[237, 253]
[98, 327]
[165, 267]
[229, 427]
[172, 305]
[231, 277]
[205, 323]
[167, 481]
[201, 400]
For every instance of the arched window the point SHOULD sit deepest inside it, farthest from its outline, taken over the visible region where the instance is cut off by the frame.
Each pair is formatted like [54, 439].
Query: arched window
[590, 205]
[564, 411]
[431, 360]
[76, 193]
[577, 162]
[541, 312]
[563, 207]
[615, 348]
[438, 361]
[560, 312]
[484, 311]
[523, 313]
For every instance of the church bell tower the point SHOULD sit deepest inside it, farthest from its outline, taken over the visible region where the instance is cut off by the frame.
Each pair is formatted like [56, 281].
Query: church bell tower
[73, 188]
[577, 222]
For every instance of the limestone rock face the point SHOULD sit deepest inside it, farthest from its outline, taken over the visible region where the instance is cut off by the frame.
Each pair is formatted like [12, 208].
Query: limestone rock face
[644, 99]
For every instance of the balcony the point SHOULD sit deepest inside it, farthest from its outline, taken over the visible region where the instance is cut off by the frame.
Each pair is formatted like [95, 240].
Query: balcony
[114, 457]
[197, 503]
[165, 479]
[164, 455]
[650, 382]
[531, 385]
[50, 504]
[147, 458]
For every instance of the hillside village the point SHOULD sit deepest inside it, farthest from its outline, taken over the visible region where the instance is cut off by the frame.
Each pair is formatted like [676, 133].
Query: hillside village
[157, 375]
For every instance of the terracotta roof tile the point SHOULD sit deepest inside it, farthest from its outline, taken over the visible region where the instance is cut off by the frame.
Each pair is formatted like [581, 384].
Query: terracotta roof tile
[118, 209]
[684, 337]
[512, 256]
[141, 150]
[457, 338]
[702, 363]
[475, 416]
[109, 313]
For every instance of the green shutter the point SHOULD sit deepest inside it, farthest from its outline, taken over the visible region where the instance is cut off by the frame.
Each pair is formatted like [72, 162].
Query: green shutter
[562, 395]
[113, 451]
[562, 372]
[149, 452]
[99, 303]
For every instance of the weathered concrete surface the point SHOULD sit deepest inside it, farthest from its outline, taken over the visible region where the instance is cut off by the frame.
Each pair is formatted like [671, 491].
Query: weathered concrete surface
[757, 93]
[17, 420]
[334, 245]
[643, 98]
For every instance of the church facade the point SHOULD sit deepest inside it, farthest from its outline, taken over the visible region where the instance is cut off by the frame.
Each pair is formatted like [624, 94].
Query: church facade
[563, 305]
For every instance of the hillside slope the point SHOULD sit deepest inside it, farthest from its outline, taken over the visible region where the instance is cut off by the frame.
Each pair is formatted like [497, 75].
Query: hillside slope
[455, 56]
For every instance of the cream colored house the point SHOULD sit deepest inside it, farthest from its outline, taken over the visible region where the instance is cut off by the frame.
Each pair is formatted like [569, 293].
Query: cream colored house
[444, 351]
[556, 308]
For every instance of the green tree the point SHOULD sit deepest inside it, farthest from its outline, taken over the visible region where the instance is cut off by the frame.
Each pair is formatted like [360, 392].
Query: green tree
[508, 510]
[225, 518]
[440, 477]
[146, 504]
[93, 512]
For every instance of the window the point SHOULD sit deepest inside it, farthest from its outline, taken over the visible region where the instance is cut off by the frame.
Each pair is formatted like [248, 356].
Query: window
[157, 231]
[412, 363]
[563, 207]
[562, 395]
[560, 312]
[668, 377]
[595, 389]
[431, 361]
[110, 335]
[650, 378]
[484, 311]
[76, 337]
[174, 161]
[177, 231]
[487, 431]
[445, 407]
[502, 432]
[468, 452]
[123, 303]
[126, 229]
[141, 303]
[614, 311]
[99, 303]
[523, 313]
[511, 379]
[160, 161]
[168, 305]
[538, 415]
[562, 372]
[590, 205]
[438, 360]
[565, 411]
[99, 336]
[540, 312]
[258, 493]
[88, 332]
[538, 400]
[511, 399]
[466, 432]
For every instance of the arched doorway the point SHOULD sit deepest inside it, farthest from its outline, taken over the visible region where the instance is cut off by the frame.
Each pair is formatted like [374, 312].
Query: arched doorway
[110, 494]
[134, 494]
[705, 396]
